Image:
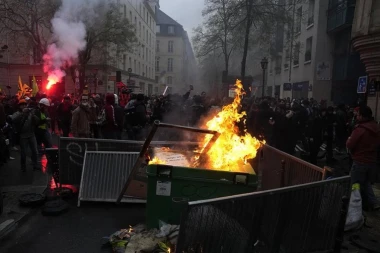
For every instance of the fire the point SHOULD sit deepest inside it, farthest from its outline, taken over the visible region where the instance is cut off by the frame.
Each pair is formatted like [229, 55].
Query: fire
[156, 160]
[52, 79]
[231, 151]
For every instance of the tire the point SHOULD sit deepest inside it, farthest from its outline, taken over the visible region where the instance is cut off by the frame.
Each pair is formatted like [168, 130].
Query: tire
[31, 199]
[55, 207]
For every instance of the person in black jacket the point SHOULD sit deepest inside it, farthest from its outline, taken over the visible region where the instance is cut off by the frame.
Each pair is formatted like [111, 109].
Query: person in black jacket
[119, 117]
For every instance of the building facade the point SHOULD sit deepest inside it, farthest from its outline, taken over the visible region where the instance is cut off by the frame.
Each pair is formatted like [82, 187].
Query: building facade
[366, 41]
[18, 58]
[302, 67]
[175, 62]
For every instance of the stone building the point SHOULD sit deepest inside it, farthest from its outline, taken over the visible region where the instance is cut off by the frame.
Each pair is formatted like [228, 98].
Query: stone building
[175, 62]
[366, 40]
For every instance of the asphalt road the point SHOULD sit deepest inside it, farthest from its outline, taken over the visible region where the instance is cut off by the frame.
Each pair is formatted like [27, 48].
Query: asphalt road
[78, 231]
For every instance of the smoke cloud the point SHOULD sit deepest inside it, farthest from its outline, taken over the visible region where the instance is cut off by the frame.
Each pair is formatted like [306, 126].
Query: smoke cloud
[69, 36]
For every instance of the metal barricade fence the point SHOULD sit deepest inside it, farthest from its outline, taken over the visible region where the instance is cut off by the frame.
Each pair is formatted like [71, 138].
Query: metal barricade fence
[297, 219]
[72, 151]
[279, 169]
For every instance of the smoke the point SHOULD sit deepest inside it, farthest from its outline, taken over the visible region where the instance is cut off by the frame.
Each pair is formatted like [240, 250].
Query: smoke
[69, 36]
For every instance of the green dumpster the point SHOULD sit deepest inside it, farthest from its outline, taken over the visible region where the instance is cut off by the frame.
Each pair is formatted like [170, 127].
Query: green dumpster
[171, 187]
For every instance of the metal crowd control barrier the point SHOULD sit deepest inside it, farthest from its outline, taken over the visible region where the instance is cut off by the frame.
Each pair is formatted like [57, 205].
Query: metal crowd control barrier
[279, 169]
[72, 151]
[296, 219]
[103, 175]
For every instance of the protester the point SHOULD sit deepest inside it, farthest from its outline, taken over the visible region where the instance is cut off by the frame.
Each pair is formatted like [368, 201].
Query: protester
[42, 131]
[80, 123]
[25, 121]
[363, 144]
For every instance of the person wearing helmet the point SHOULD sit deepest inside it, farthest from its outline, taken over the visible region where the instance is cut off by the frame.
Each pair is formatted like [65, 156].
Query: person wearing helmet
[42, 131]
[25, 122]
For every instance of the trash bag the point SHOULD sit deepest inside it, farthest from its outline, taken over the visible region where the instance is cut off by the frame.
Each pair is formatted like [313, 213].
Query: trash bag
[355, 217]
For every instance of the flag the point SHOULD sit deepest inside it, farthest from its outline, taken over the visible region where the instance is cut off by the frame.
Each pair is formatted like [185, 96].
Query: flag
[34, 87]
[23, 89]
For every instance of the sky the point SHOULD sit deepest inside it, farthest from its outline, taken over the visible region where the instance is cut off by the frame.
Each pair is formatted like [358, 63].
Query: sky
[186, 12]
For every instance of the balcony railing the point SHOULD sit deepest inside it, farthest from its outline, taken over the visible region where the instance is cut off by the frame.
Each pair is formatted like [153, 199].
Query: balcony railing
[340, 15]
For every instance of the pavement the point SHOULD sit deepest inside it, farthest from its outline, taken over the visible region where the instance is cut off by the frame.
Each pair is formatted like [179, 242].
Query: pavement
[13, 184]
[80, 230]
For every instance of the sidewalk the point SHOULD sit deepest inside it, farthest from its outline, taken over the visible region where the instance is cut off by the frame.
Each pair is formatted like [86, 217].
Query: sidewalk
[14, 183]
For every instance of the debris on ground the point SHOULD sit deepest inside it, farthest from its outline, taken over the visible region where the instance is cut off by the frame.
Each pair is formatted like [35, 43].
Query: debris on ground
[142, 240]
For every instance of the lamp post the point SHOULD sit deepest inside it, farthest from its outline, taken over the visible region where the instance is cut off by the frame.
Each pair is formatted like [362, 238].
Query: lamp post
[264, 66]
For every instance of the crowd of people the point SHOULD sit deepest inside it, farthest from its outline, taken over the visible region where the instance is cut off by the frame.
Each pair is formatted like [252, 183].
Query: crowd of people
[283, 123]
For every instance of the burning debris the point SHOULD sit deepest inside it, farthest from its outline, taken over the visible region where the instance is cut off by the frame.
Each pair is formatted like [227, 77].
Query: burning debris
[231, 150]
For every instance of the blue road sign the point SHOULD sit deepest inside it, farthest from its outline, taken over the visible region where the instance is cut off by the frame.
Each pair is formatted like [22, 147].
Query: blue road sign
[362, 84]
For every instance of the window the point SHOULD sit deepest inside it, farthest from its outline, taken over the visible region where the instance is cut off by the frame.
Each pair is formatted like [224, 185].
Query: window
[157, 46]
[170, 64]
[146, 35]
[146, 70]
[143, 51]
[140, 28]
[296, 57]
[125, 11]
[130, 62]
[310, 19]
[169, 80]
[139, 69]
[170, 46]
[130, 16]
[150, 39]
[146, 53]
[156, 79]
[135, 65]
[309, 45]
[156, 90]
[157, 64]
[124, 62]
[158, 28]
[298, 20]
[171, 29]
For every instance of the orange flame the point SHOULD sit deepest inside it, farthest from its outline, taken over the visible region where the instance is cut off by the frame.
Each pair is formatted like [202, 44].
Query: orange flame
[52, 79]
[156, 160]
[231, 151]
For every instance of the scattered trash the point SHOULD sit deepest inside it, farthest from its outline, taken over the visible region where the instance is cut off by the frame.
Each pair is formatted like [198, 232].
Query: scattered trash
[140, 239]
[355, 217]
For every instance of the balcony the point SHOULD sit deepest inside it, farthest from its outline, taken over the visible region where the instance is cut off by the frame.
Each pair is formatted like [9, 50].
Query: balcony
[340, 15]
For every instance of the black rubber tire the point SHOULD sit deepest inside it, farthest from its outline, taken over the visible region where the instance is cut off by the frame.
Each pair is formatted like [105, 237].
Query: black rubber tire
[55, 207]
[31, 199]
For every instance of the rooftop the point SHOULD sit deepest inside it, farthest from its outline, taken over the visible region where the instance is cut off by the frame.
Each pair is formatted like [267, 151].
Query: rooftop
[164, 19]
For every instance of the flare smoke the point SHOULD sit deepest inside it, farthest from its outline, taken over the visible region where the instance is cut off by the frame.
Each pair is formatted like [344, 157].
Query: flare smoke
[69, 37]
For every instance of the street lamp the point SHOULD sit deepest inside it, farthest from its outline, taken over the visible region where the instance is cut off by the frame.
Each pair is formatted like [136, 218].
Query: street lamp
[264, 66]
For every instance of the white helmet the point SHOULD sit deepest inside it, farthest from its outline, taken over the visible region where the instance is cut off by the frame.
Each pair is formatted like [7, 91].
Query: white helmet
[45, 102]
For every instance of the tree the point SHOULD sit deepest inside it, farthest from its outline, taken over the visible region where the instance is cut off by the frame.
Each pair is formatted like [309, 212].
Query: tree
[266, 18]
[108, 36]
[28, 23]
[218, 32]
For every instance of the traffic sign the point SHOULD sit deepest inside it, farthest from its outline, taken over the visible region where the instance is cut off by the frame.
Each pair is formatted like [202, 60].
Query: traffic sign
[362, 84]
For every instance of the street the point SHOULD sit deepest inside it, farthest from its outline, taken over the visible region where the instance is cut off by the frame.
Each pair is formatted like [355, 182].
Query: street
[80, 230]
